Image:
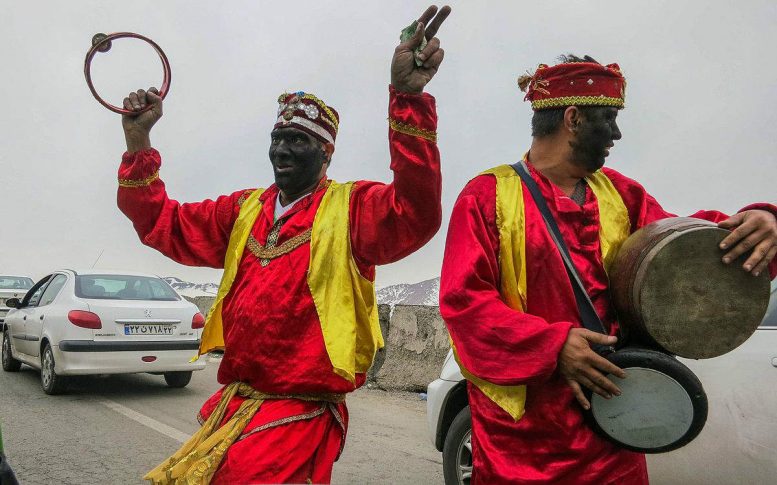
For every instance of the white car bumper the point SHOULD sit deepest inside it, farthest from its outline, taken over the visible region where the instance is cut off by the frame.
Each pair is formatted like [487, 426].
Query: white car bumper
[77, 362]
[436, 394]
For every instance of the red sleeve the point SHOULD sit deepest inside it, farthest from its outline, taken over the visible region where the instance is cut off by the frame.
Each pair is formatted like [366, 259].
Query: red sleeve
[195, 234]
[493, 341]
[644, 209]
[390, 221]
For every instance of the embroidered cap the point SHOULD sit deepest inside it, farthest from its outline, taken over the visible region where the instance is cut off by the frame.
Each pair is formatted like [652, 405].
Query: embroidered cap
[574, 84]
[306, 112]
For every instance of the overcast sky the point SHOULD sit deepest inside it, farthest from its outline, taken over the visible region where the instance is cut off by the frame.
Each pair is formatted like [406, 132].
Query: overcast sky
[698, 128]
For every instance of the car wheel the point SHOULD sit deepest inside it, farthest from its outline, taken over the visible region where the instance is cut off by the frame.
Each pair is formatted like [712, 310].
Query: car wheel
[51, 382]
[178, 379]
[457, 450]
[9, 363]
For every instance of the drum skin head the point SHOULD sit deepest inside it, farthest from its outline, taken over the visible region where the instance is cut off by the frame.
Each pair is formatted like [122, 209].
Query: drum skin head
[662, 407]
[672, 289]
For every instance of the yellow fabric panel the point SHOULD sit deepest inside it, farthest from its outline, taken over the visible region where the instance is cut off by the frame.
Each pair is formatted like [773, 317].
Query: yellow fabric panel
[510, 219]
[613, 217]
[512, 399]
[512, 272]
[512, 243]
[345, 300]
[213, 333]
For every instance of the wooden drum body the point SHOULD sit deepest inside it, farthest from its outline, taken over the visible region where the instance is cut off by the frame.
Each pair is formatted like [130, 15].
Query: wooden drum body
[671, 289]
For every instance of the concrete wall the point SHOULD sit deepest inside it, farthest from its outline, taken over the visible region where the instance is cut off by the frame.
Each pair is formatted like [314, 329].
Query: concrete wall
[416, 343]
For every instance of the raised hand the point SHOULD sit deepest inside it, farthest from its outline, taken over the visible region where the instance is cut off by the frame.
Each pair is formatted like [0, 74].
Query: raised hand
[581, 366]
[138, 126]
[753, 229]
[406, 75]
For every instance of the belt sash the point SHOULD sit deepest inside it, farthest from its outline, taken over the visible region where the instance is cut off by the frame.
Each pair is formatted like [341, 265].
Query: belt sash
[198, 459]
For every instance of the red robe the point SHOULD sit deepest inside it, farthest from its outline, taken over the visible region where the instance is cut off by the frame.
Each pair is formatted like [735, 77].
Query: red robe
[550, 443]
[273, 337]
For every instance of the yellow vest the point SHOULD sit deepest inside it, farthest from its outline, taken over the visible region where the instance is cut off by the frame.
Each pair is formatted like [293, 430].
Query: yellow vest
[510, 219]
[344, 299]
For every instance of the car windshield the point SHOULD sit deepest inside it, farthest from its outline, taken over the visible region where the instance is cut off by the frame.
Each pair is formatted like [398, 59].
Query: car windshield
[15, 283]
[124, 287]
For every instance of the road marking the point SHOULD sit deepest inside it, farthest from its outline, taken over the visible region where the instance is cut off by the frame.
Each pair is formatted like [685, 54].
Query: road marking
[152, 423]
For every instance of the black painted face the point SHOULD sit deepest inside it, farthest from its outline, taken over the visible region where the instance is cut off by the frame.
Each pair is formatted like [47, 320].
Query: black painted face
[596, 134]
[296, 159]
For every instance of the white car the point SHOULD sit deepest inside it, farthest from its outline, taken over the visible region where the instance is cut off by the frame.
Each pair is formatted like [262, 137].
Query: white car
[737, 445]
[11, 287]
[102, 322]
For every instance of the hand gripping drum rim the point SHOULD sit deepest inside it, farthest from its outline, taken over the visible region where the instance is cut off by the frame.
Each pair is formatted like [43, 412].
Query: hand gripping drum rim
[665, 409]
[102, 43]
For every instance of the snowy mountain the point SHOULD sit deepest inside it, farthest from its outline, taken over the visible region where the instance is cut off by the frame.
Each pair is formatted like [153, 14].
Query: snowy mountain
[184, 288]
[423, 293]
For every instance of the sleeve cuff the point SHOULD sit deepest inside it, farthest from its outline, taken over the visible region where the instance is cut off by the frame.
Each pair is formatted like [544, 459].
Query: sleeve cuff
[139, 169]
[761, 206]
[413, 114]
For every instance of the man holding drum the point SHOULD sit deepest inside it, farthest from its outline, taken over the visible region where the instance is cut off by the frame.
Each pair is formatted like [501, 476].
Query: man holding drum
[296, 312]
[509, 303]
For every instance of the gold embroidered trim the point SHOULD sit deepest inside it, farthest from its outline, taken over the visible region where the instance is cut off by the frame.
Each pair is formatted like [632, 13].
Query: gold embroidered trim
[339, 420]
[332, 120]
[286, 420]
[577, 101]
[411, 130]
[129, 183]
[272, 239]
[271, 252]
[245, 195]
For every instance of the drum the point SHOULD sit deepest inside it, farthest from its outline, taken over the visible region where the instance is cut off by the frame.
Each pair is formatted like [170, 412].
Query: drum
[662, 407]
[672, 290]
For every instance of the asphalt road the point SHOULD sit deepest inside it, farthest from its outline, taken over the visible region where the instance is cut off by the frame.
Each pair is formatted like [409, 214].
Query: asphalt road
[114, 429]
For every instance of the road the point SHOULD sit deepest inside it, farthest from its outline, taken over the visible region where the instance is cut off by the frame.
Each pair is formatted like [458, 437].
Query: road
[113, 429]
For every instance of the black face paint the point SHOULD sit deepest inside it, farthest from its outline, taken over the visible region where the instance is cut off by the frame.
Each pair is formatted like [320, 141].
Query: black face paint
[595, 136]
[296, 159]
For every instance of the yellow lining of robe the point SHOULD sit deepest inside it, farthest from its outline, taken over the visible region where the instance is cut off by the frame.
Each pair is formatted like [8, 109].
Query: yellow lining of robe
[344, 299]
[510, 219]
[213, 334]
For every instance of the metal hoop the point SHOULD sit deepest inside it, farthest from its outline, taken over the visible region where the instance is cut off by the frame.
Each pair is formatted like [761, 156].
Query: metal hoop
[103, 43]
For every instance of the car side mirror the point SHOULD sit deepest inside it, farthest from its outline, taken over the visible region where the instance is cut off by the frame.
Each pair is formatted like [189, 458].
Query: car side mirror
[13, 303]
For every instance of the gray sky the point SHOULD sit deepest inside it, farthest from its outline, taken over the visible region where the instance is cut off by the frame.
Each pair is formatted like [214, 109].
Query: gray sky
[698, 130]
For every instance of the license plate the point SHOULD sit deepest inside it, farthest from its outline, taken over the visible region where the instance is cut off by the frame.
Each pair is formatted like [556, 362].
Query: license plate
[146, 329]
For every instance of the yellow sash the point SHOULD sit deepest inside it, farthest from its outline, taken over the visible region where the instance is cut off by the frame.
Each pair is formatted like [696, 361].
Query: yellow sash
[199, 458]
[344, 299]
[510, 219]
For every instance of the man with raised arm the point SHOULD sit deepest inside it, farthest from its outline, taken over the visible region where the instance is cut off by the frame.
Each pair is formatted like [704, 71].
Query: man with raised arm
[509, 304]
[295, 313]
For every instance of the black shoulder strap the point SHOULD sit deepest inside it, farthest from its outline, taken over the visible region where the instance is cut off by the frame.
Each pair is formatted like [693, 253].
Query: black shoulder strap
[588, 315]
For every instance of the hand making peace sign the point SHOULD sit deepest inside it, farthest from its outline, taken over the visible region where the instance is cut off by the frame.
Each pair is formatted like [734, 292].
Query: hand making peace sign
[406, 75]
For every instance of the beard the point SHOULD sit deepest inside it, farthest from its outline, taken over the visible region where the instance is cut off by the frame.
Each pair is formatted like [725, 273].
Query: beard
[588, 156]
[590, 147]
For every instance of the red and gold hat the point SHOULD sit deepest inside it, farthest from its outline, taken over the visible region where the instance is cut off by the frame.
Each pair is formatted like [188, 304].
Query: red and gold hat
[574, 84]
[306, 112]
